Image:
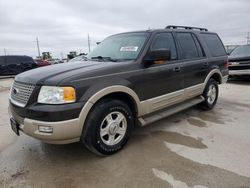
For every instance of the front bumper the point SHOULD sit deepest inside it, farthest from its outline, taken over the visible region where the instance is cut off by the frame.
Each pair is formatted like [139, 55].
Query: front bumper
[239, 72]
[238, 69]
[64, 132]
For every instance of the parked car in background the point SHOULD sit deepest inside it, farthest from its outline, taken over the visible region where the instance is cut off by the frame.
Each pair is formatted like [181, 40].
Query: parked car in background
[239, 61]
[41, 63]
[15, 64]
[78, 58]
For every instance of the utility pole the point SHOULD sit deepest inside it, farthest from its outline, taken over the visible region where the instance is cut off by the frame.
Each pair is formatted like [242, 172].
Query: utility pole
[88, 42]
[38, 48]
[248, 38]
[4, 50]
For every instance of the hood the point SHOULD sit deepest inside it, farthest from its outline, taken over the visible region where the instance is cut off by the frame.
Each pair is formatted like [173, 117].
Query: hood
[53, 74]
[238, 59]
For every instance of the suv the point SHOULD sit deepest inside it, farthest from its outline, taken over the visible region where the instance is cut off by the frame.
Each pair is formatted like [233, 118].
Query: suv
[128, 79]
[15, 64]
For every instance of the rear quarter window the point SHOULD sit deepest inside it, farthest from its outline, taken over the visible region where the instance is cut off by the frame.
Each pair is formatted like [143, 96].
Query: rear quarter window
[214, 45]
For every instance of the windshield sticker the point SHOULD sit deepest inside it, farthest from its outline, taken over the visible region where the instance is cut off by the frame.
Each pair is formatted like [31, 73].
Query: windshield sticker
[129, 49]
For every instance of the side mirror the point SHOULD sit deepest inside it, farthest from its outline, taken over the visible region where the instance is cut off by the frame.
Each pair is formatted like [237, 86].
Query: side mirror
[157, 55]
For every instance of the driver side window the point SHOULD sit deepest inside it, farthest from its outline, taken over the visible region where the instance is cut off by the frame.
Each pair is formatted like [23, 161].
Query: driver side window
[166, 41]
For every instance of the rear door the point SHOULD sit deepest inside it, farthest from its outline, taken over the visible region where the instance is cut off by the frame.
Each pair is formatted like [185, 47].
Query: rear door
[216, 51]
[195, 63]
[26, 63]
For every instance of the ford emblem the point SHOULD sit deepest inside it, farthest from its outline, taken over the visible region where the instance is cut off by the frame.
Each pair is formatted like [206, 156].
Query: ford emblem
[15, 91]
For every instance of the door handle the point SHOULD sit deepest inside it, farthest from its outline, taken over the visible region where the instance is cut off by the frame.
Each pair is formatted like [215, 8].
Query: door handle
[177, 69]
[205, 64]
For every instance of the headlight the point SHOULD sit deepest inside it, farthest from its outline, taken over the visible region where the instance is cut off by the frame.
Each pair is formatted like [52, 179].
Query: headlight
[56, 95]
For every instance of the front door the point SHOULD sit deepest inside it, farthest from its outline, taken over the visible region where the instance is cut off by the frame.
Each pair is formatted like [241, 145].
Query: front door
[162, 82]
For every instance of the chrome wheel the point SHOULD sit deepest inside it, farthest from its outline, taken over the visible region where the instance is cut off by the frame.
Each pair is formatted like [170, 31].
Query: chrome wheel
[113, 128]
[211, 95]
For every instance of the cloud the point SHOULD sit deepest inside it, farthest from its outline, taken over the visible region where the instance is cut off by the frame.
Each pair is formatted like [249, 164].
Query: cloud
[63, 25]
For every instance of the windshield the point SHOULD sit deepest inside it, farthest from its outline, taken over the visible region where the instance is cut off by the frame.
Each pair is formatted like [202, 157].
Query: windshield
[119, 47]
[241, 51]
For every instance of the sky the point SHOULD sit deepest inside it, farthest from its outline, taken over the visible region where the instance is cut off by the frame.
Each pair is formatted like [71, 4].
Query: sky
[62, 25]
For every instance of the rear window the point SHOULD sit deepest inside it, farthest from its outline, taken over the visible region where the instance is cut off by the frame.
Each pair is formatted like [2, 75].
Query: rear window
[214, 44]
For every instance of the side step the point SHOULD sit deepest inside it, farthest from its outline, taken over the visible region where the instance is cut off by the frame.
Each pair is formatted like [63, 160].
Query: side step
[169, 111]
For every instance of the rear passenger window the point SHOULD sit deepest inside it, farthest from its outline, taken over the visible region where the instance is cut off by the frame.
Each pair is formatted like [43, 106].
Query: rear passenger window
[214, 45]
[11, 60]
[165, 40]
[188, 46]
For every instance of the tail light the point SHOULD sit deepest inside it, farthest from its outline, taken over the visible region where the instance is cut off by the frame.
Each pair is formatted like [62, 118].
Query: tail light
[226, 63]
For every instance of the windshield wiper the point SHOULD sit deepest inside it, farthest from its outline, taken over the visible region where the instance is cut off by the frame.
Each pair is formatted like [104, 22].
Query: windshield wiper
[104, 58]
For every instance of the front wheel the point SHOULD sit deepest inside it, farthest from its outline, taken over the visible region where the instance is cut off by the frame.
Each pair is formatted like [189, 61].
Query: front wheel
[210, 94]
[108, 127]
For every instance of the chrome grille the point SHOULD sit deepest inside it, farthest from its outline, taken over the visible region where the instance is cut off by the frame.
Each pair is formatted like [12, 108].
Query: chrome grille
[20, 93]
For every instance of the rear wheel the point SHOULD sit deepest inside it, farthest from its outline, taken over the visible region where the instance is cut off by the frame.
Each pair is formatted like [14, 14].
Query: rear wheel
[108, 127]
[210, 94]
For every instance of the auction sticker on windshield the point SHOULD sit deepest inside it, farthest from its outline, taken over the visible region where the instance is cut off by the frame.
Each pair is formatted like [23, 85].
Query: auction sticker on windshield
[129, 49]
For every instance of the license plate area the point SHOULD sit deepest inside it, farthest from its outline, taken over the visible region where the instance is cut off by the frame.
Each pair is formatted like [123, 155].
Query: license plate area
[14, 125]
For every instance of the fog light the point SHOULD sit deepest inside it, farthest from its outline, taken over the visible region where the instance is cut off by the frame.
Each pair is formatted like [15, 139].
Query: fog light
[45, 129]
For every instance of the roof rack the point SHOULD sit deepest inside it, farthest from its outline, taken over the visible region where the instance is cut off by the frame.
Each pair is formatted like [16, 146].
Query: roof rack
[185, 27]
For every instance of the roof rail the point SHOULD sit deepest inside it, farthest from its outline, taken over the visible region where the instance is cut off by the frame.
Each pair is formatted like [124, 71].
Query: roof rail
[185, 27]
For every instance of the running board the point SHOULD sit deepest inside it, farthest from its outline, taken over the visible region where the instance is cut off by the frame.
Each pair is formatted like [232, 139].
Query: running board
[169, 111]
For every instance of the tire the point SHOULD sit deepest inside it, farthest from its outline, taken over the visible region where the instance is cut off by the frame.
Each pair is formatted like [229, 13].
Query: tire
[210, 94]
[108, 127]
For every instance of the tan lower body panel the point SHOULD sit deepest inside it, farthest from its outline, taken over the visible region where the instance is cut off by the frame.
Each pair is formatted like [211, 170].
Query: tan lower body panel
[64, 132]
[164, 101]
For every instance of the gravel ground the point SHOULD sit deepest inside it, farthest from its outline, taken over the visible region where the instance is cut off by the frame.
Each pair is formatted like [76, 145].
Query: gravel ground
[191, 149]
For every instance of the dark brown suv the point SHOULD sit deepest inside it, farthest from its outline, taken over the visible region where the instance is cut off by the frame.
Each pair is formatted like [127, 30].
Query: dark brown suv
[129, 78]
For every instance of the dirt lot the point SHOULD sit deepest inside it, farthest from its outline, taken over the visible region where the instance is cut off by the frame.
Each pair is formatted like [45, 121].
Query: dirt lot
[192, 149]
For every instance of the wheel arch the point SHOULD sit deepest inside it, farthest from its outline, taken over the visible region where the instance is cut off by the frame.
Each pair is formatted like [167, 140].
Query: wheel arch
[120, 92]
[215, 74]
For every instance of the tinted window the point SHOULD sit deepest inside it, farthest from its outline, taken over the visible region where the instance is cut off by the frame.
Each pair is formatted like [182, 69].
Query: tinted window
[17, 59]
[188, 47]
[214, 45]
[2, 60]
[165, 40]
[11, 60]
